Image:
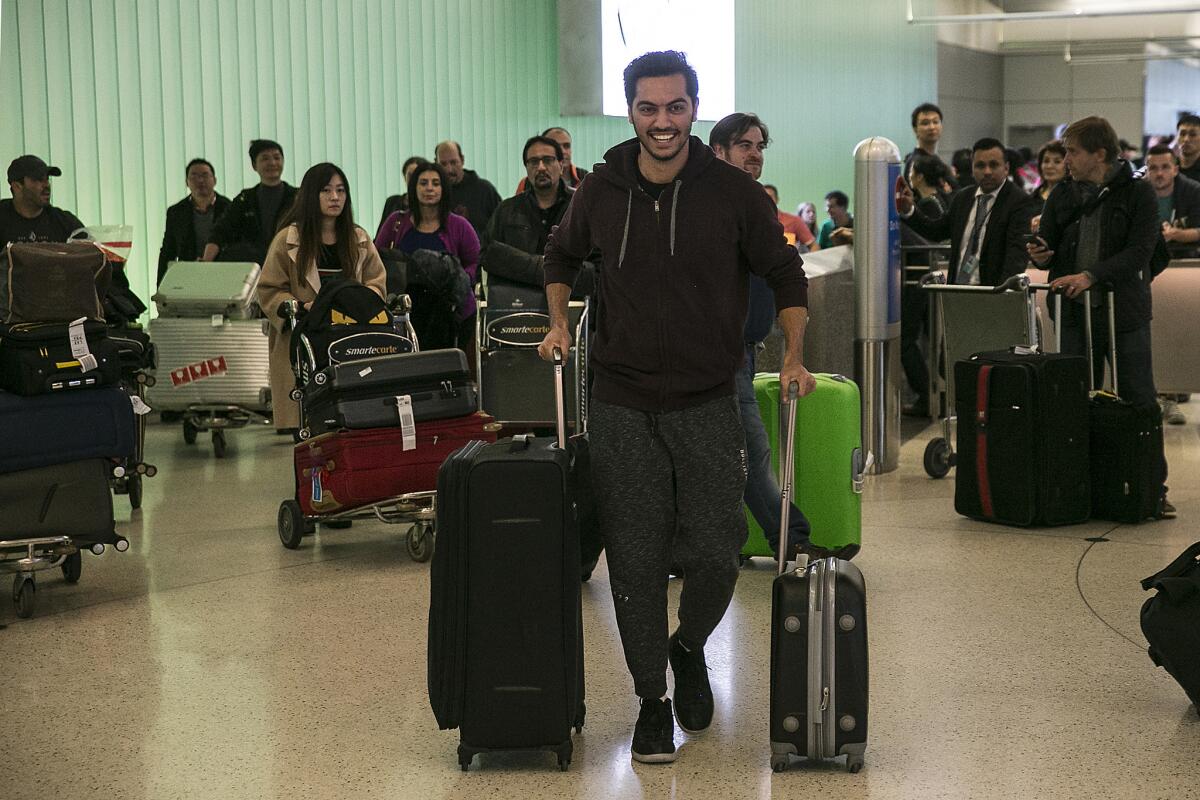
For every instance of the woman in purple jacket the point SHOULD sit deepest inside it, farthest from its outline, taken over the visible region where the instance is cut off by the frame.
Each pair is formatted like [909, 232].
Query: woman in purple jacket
[432, 226]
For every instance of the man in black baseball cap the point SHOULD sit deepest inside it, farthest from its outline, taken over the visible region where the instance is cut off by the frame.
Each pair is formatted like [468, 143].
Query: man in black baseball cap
[28, 216]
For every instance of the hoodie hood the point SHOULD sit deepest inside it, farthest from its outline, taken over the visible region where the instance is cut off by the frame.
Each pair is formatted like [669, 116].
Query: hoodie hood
[620, 162]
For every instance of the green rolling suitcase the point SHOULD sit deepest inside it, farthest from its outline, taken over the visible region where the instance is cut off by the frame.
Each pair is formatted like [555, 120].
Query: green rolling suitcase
[829, 461]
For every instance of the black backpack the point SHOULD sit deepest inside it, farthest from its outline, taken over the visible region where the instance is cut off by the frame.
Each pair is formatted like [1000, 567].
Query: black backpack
[1171, 621]
[347, 321]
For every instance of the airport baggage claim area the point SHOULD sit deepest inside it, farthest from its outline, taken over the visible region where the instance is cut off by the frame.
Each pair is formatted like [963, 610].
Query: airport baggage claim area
[210, 661]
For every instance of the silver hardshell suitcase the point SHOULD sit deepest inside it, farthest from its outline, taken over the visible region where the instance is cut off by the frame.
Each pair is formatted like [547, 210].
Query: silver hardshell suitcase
[819, 680]
[207, 288]
[210, 361]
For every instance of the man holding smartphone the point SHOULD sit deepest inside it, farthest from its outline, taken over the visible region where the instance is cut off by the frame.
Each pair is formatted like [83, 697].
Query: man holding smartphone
[1102, 229]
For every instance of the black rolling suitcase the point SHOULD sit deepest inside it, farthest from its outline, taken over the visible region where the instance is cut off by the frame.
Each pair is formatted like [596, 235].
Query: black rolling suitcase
[71, 499]
[1022, 438]
[69, 426]
[505, 619]
[41, 358]
[1171, 620]
[367, 393]
[1128, 467]
[819, 678]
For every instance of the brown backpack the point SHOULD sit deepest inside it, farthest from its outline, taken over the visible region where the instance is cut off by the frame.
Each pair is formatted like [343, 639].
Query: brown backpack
[52, 282]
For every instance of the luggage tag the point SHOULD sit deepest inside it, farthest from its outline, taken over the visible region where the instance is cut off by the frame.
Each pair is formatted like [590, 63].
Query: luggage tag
[217, 320]
[408, 424]
[79, 345]
[316, 486]
[139, 406]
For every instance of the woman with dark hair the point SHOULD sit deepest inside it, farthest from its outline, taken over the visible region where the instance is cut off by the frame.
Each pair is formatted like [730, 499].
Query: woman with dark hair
[318, 242]
[1052, 166]
[431, 225]
[926, 174]
[399, 202]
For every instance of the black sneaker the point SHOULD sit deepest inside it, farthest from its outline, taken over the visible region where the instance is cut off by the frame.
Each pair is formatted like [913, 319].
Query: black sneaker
[654, 734]
[693, 695]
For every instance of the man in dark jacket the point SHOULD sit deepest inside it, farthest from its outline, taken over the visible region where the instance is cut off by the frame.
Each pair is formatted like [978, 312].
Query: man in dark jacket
[28, 216]
[1102, 229]
[680, 231]
[985, 224]
[245, 230]
[742, 140]
[1178, 202]
[190, 221]
[516, 236]
[470, 195]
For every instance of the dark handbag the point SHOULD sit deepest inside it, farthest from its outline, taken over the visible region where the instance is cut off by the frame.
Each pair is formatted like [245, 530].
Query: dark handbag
[1171, 621]
[36, 358]
[52, 282]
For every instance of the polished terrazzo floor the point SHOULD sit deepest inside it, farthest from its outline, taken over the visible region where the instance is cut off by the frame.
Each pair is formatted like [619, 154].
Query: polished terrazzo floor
[209, 662]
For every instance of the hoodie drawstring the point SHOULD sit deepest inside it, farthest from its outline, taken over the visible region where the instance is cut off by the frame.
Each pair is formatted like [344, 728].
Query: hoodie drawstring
[674, 205]
[625, 235]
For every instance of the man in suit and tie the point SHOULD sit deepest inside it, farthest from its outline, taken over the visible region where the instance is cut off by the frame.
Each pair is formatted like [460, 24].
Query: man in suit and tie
[985, 224]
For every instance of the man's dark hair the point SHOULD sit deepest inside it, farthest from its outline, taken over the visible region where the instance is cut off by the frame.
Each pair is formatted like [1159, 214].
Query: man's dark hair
[925, 108]
[414, 202]
[988, 143]
[1093, 134]
[660, 64]
[543, 139]
[1162, 150]
[187, 170]
[555, 128]
[457, 147]
[731, 128]
[1013, 156]
[961, 162]
[412, 160]
[1187, 119]
[839, 198]
[259, 146]
[1052, 146]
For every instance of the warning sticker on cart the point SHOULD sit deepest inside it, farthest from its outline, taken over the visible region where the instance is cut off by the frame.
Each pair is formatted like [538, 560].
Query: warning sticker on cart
[207, 368]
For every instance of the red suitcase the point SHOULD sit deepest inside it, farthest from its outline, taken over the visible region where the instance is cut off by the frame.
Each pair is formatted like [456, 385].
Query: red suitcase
[349, 469]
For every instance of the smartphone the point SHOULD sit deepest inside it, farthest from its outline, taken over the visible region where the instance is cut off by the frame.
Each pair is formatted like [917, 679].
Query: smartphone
[1033, 238]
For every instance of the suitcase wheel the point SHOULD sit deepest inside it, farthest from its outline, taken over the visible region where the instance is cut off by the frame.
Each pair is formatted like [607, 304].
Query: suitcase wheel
[133, 487]
[23, 595]
[219, 444]
[72, 567]
[854, 763]
[189, 432]
[291, 524]
[420, 542]
[779, 763]
[938, 458]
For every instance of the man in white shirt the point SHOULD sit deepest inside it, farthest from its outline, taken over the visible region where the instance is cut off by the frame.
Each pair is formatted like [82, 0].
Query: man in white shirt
[986, 223]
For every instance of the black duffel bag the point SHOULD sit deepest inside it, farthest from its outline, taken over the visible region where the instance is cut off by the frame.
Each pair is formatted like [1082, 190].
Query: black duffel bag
[36, 358]
[1171, 621]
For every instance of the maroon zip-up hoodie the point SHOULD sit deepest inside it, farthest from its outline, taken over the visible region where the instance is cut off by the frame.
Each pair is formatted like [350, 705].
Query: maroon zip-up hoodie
[674, 282]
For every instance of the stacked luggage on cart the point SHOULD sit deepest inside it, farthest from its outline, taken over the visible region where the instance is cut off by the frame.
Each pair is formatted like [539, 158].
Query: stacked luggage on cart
[67, 425]
[213, 355]
[378, 417]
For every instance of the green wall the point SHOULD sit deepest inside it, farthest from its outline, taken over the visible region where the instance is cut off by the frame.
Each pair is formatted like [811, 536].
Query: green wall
[122, 93]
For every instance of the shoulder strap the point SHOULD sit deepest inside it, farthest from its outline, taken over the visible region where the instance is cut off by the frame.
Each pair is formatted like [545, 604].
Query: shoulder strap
[1177, 568]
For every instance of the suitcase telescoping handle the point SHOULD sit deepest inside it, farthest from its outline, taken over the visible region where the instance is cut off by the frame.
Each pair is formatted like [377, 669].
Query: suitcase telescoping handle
[560, 403]
[1112, 337]
[786, 469]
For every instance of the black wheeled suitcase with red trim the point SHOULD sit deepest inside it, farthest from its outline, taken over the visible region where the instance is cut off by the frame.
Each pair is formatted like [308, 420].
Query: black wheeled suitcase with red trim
[1022, 438]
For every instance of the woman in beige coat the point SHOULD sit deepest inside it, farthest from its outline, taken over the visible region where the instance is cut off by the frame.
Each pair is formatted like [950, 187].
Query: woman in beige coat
[318, 241]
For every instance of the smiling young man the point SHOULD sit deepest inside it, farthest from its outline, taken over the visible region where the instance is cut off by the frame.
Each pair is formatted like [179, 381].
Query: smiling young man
[245, 230]
[680, 231]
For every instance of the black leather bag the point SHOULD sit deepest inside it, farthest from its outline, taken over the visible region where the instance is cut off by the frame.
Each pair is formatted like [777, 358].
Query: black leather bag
[1171, 621]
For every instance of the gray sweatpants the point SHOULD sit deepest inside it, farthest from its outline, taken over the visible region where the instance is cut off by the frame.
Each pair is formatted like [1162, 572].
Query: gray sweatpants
[668, 488]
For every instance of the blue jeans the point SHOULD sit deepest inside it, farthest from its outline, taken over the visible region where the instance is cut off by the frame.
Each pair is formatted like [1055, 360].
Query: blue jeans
[762, 489]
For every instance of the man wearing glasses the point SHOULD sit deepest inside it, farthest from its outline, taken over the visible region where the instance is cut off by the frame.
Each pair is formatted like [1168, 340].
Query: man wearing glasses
[516, 235]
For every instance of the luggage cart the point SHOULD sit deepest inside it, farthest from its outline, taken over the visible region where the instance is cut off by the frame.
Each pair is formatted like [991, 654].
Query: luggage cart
[417, 509]
[137, 363]
[24, 557]
[974, 319]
